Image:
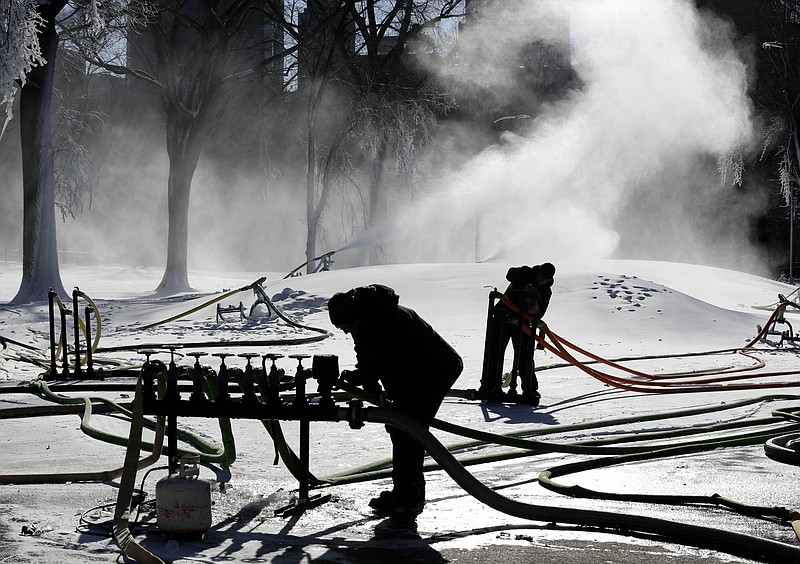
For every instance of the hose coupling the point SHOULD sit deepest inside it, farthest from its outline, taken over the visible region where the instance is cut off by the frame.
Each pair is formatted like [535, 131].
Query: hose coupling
[355, 413]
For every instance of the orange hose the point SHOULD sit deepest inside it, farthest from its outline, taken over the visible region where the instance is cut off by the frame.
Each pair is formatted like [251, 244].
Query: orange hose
[699, 385]
[656, 383]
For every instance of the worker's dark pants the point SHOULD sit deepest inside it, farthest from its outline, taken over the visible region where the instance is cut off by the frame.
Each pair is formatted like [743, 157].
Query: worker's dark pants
[408, 456]
[501, 330]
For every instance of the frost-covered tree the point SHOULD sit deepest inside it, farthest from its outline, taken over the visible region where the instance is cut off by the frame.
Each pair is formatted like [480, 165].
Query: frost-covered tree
[781, 103]
[770, 31]
[29, 40]
[19, 48]
[30, 60]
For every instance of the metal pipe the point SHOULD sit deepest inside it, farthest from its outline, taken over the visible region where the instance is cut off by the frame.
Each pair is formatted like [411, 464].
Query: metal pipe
[65, 367]
[172, 397]
[791, 237]
[53, 367]
[305, 432]
[76, 329]
[89, 363]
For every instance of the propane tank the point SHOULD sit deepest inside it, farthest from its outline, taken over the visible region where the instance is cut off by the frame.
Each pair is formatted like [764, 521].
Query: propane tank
[183, 501]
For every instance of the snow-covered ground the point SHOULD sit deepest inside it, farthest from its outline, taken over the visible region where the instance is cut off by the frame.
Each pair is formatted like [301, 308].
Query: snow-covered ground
[612, 308]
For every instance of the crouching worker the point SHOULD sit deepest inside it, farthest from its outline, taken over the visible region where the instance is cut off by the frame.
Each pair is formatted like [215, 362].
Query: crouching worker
[396, 348]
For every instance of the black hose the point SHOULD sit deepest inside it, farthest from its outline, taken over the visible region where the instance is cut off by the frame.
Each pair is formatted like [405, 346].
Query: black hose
[738, 544]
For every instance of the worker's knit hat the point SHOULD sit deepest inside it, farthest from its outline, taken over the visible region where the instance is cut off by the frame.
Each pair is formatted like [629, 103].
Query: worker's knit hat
[342, 308]
[370, 302]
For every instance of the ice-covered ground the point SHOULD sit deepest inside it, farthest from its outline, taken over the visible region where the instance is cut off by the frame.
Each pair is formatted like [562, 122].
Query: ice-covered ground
[615, 309]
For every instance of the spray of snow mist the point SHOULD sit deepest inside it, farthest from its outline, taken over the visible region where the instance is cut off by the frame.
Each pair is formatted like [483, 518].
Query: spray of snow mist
[662, 94]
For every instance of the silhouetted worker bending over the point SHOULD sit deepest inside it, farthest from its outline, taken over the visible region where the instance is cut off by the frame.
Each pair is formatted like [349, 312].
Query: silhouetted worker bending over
[395, 347]
[530, 290]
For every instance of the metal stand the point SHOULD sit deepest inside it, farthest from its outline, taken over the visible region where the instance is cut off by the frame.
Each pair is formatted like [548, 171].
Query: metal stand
[249, 406]
[77, 372]
[788, 334]
[492, 375]
[304, 499]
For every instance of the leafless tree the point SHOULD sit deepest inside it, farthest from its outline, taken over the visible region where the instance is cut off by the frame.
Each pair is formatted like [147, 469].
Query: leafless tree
[356, 73]
[196, 54]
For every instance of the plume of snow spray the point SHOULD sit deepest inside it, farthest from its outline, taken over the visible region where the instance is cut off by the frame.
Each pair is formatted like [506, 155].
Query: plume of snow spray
[373, 236]
[664, 92]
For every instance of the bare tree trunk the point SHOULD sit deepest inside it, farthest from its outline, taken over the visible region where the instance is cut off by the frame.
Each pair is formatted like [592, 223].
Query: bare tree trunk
[40, 270]
[312, 215]
[377, 192]
[176, 274]
[184, 144]
[319, 181]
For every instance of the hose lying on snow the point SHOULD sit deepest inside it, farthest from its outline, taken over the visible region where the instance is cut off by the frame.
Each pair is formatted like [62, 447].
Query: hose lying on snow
[100, 475]
[121, 527]
[738, 544]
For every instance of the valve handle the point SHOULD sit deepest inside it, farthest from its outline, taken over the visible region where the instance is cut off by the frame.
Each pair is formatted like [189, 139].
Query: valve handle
[147, 353]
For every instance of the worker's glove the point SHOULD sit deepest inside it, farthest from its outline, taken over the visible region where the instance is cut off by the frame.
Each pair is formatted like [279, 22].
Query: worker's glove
[352, 377]
[540, 325]
[373, 387]
[357, 378]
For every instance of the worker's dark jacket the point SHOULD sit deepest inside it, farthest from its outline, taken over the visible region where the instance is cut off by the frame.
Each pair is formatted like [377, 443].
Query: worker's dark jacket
[522, 276]
[397, 347]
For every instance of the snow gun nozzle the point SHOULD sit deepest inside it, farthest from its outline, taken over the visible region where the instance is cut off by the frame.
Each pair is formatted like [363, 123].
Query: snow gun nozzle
[786, 302]
[252, 285]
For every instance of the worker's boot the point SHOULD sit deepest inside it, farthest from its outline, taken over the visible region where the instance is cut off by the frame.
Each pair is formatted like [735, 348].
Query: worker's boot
[529, 398]
[384, 502]
[404, 501]
[492, 394]
[408, 500]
